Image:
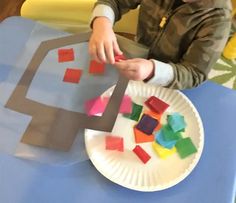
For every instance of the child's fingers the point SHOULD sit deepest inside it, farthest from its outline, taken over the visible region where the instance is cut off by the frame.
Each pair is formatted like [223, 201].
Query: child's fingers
[109, 53]
[116, 48]
[101, 52]
[93, 53]
[127, 65]
[131, 75]
[92, 50]
[121, 66]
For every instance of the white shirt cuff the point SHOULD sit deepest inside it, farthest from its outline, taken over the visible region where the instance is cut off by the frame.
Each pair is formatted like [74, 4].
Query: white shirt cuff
[103, 10]
[163, 74]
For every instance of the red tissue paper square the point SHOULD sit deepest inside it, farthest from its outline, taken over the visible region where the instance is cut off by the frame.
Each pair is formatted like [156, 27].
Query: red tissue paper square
[119, 57]
[156, 105]
[114, 143]
[66, 55]
[96, 68]
[142, 154]
[72, 75]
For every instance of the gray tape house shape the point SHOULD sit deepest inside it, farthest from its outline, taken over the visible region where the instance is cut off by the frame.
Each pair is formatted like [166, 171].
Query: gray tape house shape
[53, 127]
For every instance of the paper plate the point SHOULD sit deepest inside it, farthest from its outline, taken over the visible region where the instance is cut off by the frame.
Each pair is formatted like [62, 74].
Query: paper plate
[125, 168]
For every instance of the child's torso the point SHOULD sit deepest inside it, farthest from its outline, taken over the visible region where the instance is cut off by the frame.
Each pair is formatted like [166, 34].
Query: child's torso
[168, 39]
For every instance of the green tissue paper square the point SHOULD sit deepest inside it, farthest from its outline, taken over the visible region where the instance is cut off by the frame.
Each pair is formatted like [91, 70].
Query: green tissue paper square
[185, 147]
[169, 134]
[136, 111]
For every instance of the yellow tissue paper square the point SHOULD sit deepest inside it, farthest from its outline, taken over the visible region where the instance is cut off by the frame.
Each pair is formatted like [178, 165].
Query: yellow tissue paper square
[162, 152]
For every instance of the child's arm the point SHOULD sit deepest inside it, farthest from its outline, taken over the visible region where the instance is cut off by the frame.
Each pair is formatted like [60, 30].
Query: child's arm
[152, 71]
[103, 44]
[119, 7]
[202, 54]
[194, 66]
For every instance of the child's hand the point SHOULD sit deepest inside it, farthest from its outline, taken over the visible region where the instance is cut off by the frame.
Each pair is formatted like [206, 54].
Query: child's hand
[103, 43]
[136, 69]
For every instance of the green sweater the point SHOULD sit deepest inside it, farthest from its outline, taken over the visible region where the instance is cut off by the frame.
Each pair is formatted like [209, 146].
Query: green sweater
[190, 38]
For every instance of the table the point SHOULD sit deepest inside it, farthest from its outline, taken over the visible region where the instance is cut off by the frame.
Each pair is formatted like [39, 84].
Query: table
[213, 179]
